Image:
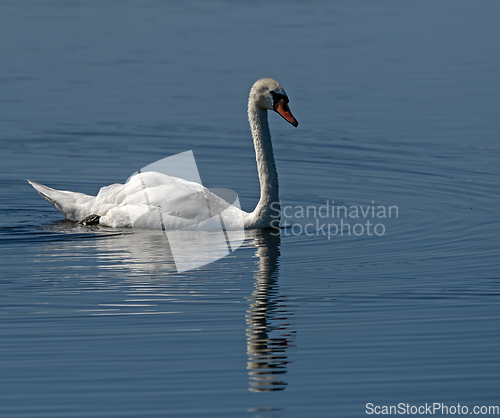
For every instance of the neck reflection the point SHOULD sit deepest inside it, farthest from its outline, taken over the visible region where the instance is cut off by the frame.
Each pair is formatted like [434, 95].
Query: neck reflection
[268, 320]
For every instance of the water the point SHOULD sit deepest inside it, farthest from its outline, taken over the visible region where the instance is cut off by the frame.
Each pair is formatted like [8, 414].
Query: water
[398, 106]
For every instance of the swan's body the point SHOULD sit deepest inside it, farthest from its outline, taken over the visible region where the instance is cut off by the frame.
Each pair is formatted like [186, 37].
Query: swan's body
[185, 203]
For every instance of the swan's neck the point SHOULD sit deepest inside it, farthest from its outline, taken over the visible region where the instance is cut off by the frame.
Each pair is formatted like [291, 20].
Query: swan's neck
[268, 208]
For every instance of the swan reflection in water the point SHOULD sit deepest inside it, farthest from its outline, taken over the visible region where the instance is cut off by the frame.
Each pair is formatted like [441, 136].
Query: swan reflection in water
[268, 320]
[141, 255]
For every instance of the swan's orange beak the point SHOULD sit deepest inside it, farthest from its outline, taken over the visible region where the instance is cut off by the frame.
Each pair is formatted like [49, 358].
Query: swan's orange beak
[281, 106]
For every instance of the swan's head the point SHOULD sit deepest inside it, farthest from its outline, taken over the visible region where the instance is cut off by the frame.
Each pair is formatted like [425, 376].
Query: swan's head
[268, 94]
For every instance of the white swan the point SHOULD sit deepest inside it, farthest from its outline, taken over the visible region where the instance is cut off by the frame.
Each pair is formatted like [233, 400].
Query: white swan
[183, 202]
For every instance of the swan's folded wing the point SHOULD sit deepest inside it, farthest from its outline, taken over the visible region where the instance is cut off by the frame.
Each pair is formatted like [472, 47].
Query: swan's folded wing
[156, 200]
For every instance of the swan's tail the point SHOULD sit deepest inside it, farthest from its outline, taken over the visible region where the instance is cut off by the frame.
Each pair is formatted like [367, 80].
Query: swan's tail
[74, 206]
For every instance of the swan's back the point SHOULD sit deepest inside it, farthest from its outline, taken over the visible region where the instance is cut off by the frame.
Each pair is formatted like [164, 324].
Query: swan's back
[148, 200]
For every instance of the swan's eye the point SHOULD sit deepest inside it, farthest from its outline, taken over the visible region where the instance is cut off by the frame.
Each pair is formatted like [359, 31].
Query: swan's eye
[277, 97]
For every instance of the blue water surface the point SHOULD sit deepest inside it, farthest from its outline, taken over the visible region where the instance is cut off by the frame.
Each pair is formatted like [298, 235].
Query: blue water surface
[398, 107]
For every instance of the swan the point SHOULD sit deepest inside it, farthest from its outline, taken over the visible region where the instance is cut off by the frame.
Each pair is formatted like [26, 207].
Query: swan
[182, 202]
